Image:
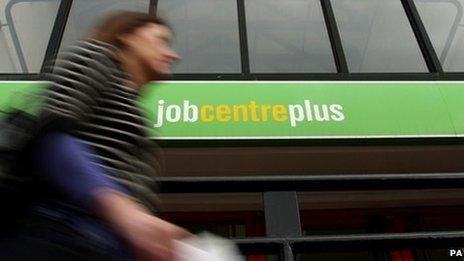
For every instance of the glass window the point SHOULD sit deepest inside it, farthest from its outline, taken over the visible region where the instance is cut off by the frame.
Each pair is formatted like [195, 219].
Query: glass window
[25, 29]
[377, 37]
[85, 13]
[288, 37]
[443, 21]
[205, 34]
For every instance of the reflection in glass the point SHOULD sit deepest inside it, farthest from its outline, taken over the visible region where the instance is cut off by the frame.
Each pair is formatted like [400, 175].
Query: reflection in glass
[288, 38]
[25, 29]
[85, 13]
[377, 37]
[205, 34]
[444, 23]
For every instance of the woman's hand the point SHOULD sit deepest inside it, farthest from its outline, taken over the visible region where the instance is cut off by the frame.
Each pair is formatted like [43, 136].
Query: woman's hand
[151, 238]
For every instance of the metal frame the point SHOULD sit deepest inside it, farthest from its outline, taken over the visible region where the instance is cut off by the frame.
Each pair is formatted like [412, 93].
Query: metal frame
[58, 31]
[288, 247]
[243, 35]
[57, 35]
[454, 27]
[14, 34]
[320, 77]
[334, 36]
[342, 182]
[282, 214]
[53, 44]
[283, 229]
[310, 142]
[435, 69]
[433, 64]
[153, 6]
[431, 58]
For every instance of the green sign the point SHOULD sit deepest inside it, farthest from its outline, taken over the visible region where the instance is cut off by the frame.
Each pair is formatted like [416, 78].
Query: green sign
[276, 110]
[23, 95]
[256, 110]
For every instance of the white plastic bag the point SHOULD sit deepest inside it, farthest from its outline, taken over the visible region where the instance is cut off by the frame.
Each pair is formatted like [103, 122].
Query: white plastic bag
[206, 247]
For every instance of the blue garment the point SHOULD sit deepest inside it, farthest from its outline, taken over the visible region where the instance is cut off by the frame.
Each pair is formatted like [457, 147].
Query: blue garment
[64, 163]
[35, 237]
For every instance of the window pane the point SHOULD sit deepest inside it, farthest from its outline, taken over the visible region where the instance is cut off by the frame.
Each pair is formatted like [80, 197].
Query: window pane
[25, 29]
[205, 34]
[443, 22]
[85, 13]
[288, 38]
[377, 37]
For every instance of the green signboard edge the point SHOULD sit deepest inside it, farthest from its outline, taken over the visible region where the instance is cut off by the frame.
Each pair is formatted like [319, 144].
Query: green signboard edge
[448, 96]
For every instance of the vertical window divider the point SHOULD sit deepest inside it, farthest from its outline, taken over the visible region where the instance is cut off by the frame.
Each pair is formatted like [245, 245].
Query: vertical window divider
[57, 35]
[334, 36]
[242, 30]
[153, 7]
[14, 35]
[430, 56]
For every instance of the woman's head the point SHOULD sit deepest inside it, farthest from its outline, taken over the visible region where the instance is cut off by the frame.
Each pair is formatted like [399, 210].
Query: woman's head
[145, 39]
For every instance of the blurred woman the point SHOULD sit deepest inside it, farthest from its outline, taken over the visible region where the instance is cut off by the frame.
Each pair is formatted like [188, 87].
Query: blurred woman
[93, 155]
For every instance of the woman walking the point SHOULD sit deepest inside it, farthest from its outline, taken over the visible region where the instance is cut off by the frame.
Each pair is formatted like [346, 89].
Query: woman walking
[93, 157]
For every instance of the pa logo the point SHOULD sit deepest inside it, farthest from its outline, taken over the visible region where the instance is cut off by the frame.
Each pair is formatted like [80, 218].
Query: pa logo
[455, 252]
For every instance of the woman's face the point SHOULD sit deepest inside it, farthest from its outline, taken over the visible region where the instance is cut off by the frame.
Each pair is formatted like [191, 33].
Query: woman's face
[151, 46]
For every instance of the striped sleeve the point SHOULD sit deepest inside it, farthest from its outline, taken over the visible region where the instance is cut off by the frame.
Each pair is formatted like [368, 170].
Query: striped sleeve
[79, 77]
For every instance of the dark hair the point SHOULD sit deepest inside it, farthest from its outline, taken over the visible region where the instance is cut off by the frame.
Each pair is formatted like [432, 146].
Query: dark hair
[119, 23]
